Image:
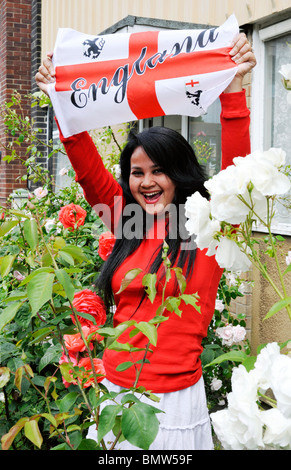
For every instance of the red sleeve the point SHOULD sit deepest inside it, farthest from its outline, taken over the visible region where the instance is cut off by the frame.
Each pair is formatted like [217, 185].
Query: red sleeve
[235, 123]
[101, 190]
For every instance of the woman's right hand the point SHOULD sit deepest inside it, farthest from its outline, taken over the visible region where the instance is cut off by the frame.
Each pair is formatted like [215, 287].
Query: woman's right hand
[45, 74]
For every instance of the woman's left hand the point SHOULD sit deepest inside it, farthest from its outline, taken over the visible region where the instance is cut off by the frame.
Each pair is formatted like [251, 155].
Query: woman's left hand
[244, 57]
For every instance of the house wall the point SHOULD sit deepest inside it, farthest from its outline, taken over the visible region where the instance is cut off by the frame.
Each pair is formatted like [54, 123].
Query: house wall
[15, 74]
[94, 16]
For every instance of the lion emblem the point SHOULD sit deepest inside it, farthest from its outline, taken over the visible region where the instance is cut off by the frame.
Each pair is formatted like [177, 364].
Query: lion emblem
[93, 48]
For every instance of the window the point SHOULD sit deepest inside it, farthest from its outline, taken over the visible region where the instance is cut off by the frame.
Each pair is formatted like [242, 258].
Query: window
[203, 133]
[270, 110]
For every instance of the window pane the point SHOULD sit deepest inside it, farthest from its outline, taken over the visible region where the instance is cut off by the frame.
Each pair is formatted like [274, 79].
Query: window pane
[277, 110]
[205, 138]
[59, 162]
[173, 122]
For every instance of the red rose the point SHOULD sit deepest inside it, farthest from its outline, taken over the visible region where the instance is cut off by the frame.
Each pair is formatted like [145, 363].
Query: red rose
[99, 369]
[87, 301]
[72, 216]
[92, 331]
[106, 244]
[74, 343]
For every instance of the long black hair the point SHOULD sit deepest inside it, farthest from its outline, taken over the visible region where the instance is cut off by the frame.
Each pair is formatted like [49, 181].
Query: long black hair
[174, 155]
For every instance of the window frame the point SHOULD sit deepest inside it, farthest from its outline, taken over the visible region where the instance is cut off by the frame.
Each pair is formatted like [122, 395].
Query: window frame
[258, 106]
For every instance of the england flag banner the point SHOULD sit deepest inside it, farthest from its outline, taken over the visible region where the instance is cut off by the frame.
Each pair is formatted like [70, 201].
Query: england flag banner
[117, 78]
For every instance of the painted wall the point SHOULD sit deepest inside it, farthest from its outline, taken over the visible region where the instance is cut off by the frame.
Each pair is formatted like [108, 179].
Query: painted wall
[94, 16]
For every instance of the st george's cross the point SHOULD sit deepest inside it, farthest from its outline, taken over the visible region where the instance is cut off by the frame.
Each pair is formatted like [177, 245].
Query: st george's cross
[117, 78]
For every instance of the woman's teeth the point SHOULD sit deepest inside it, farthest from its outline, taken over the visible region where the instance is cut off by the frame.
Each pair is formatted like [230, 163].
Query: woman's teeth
[152, 196]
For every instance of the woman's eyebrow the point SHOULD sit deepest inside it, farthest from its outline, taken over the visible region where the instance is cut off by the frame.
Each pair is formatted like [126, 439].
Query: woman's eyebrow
[155, 165]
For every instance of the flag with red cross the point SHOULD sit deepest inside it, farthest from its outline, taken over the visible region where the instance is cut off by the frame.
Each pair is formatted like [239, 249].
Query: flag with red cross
[117, 78]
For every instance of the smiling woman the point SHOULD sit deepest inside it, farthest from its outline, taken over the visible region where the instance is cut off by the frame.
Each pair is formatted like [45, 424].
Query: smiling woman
[159, 170]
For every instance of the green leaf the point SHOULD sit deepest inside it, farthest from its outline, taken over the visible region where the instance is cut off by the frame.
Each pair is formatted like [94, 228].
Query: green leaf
[7, 315]
[7, 226]
[39, 290]
[75, 251]
[234, 356]
[181, 279]
[192, 300]
[128, 278]
[6, 264]
[107, 419]
[65, 280]
[66, 403]
[32, 432]
[34, 273]
[88, 444]
[119, 346]
[51, 355]
[124, 366]
[66, 258]
[140, 425]
[7, 439]
[149, 331]
[149, 282]
[278, 306]
[30, 233]
[172, 305]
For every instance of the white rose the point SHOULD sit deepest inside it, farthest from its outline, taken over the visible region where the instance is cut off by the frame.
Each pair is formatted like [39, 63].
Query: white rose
[117, 170]
[219, 305]
[63, 172]
[230, 257]
[226, 334]
[224, 189]
[263, 364]
[288, 258]
[197, 210]
[216, 384]
[40, 192]
[49, 225]
[278, 428]
[240, 427]
[281, 383]
[276, 156]
[285, 70]
[261, 168]
[239, 333]
[225, 428]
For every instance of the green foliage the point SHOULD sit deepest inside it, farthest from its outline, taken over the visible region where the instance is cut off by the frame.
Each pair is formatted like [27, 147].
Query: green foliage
[45, 403]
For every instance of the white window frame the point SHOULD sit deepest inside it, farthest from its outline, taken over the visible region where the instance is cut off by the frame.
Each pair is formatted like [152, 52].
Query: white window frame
[258, 110]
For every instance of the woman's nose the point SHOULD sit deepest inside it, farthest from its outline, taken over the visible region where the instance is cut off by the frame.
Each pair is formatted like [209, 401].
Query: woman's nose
[147, 181]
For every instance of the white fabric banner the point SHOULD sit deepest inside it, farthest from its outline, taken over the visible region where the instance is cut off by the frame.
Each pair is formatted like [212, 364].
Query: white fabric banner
[116, 78]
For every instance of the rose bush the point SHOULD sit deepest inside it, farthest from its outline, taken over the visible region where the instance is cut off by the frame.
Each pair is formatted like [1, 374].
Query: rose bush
[53, 327]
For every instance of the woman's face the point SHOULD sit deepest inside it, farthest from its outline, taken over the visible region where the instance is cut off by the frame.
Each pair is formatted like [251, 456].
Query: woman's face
[150, 187]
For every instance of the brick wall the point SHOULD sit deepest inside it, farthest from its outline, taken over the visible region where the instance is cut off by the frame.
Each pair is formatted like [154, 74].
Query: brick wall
[15, 74]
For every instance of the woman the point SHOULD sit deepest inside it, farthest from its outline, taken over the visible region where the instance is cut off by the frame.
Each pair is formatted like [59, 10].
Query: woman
[158, 171]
